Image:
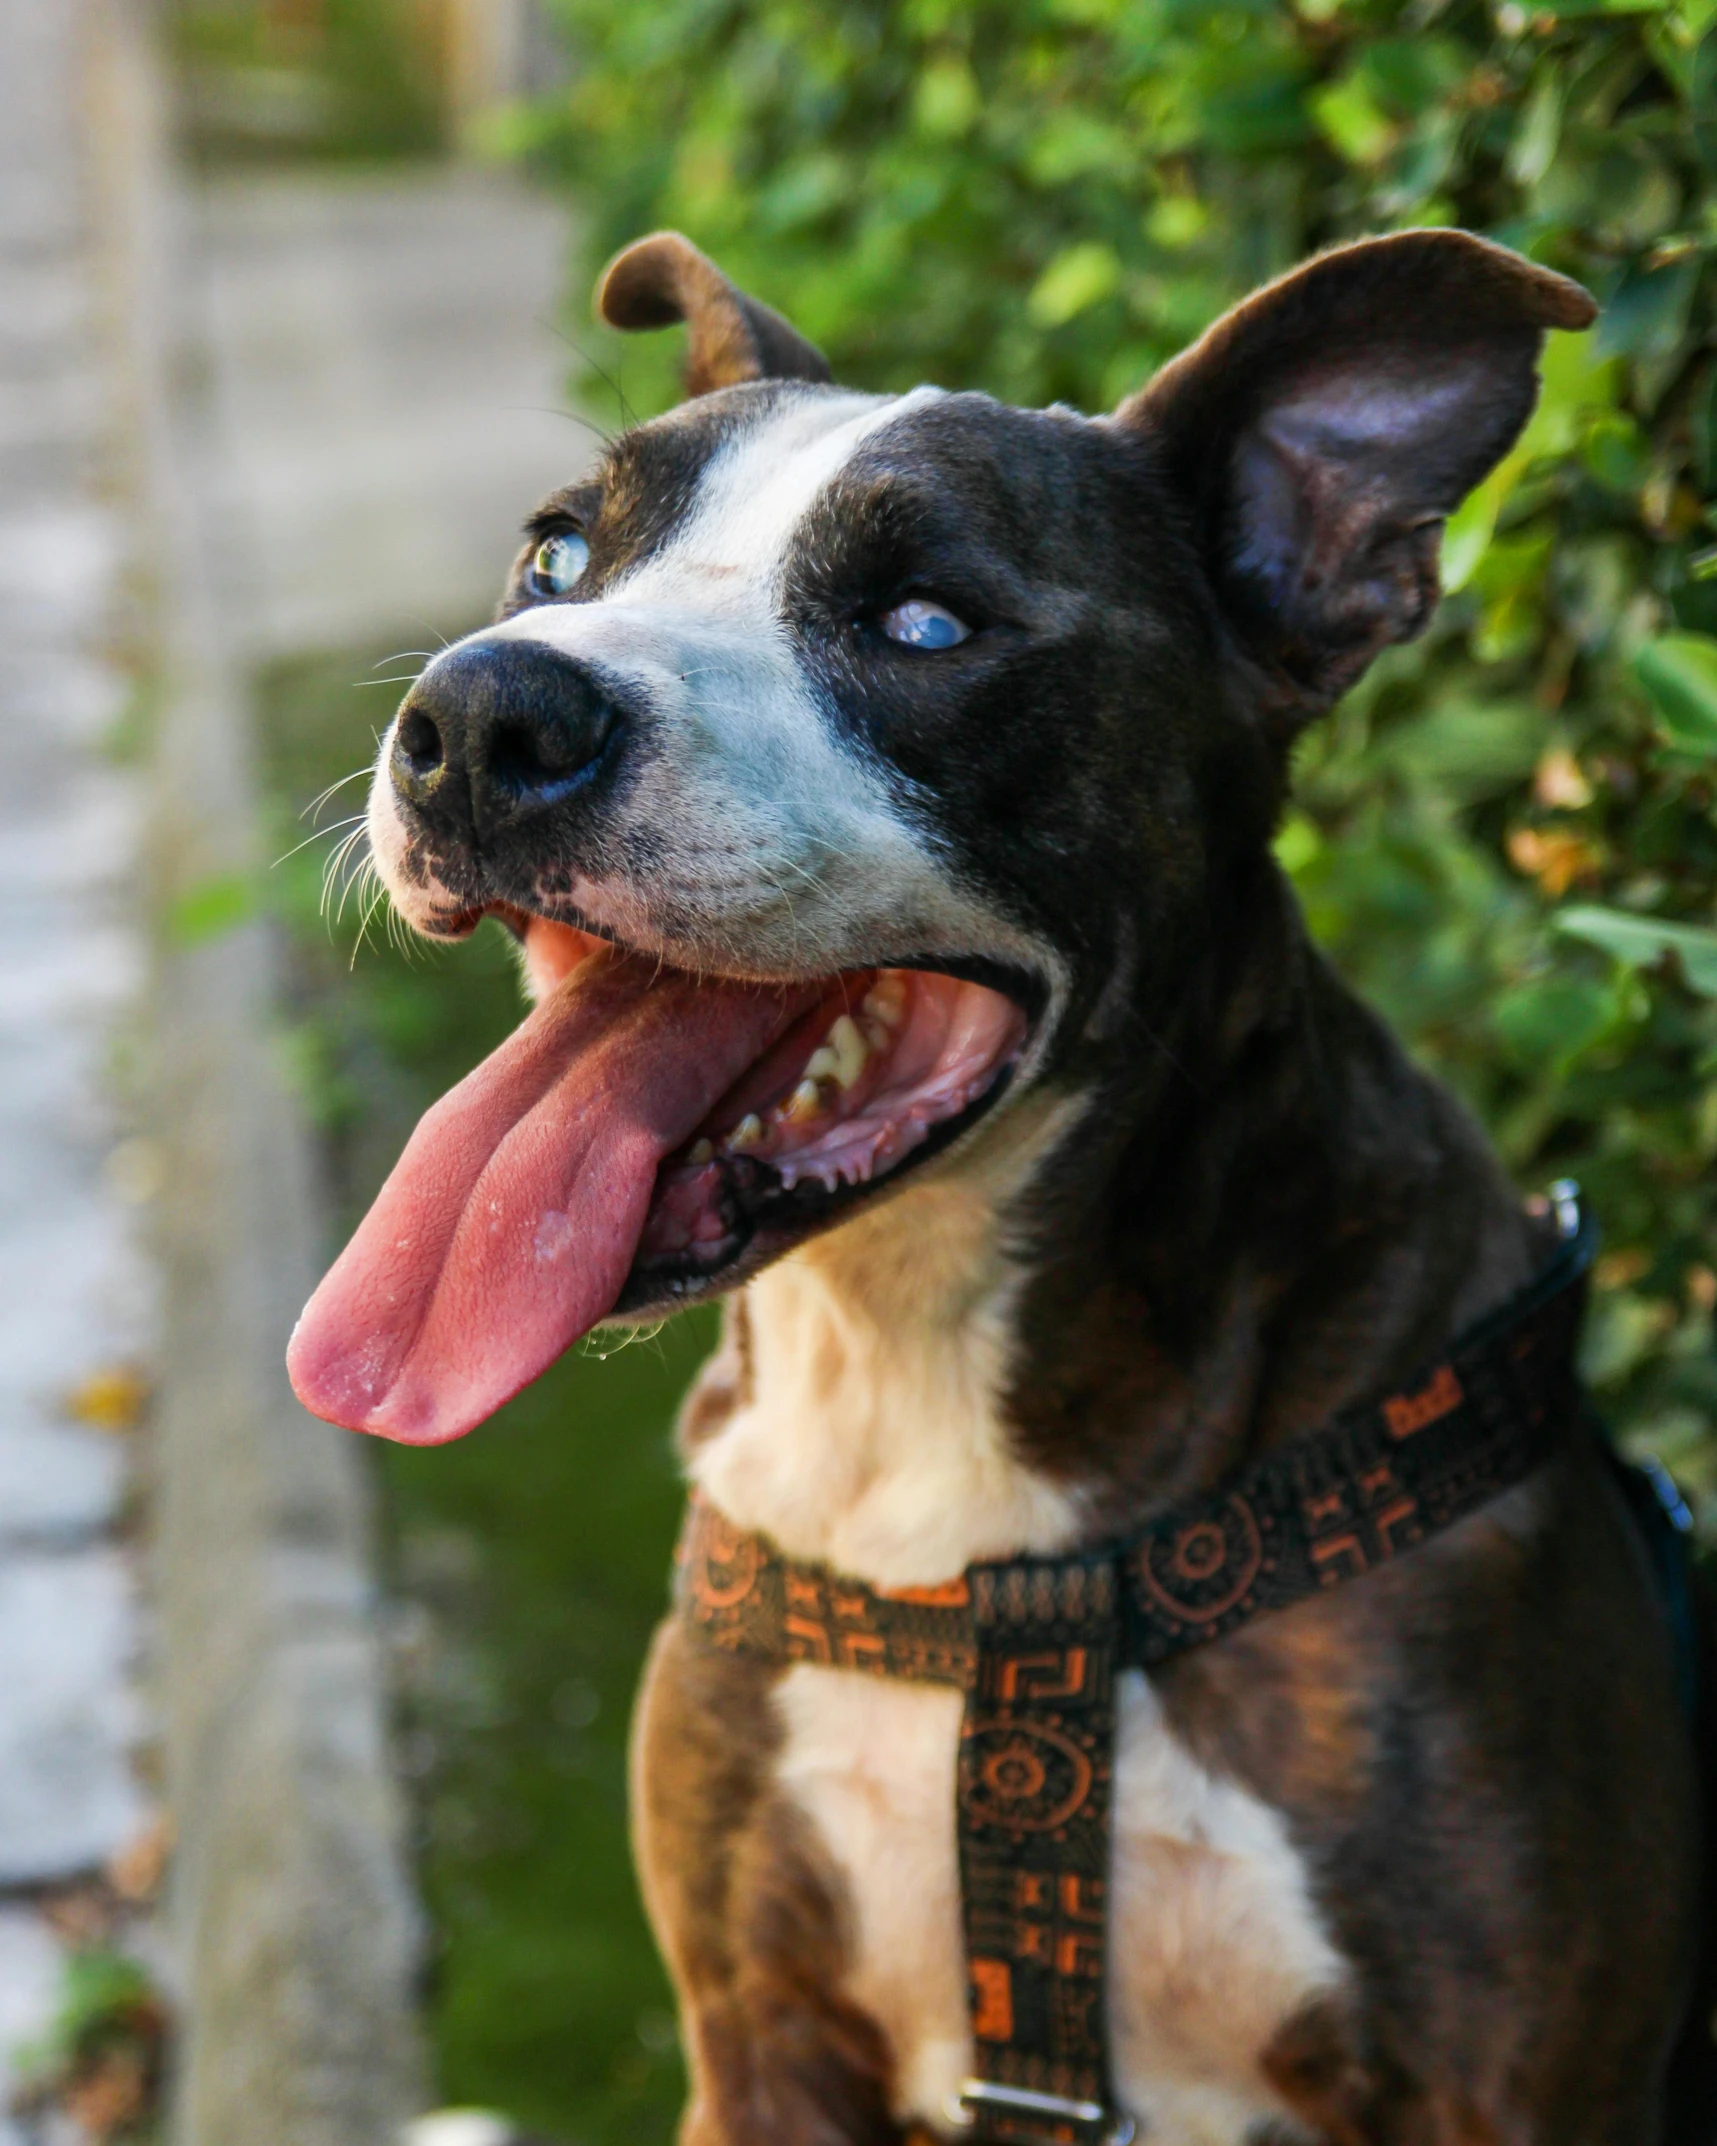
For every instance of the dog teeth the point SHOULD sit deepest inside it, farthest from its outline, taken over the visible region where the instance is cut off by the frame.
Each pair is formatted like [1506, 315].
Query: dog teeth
[805, 1103]
[847, 1041]
[836, 1064]
[841, 1055]
[885, 1001]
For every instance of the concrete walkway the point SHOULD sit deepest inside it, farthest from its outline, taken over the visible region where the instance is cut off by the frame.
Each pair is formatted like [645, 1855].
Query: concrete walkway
[376, 417]
[74, 1317]
[388, 400]
[378, 413]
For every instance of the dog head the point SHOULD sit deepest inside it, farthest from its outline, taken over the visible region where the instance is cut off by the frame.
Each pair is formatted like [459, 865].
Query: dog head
[851, 766]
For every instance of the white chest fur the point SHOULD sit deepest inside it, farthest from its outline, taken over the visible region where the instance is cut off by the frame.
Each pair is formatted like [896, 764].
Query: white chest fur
[869, 1438]
[1214, 1942]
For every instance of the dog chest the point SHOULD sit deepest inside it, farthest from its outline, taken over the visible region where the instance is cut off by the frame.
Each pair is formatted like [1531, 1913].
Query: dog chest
[1214, 1942]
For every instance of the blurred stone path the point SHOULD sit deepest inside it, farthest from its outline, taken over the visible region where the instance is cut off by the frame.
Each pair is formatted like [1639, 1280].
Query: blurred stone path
[378, 409]
[73, 1306]
[387, 400]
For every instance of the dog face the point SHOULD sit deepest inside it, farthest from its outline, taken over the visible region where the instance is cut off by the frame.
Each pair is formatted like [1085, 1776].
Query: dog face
[835, 682]
[948, 724]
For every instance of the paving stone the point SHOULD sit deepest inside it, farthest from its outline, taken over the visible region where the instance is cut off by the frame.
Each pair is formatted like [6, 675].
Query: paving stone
[67, 1714]
[57, 1481]
[72, 1298]
[32, 1968]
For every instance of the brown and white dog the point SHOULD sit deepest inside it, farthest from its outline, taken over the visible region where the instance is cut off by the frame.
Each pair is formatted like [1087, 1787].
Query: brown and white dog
[918, 759]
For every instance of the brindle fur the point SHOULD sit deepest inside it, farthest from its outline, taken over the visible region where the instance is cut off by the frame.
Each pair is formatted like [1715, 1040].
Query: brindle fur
[1267, 1211]
[1286, 1216]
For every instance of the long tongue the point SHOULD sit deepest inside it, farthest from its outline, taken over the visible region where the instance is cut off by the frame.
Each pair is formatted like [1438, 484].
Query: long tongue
[510, 1223]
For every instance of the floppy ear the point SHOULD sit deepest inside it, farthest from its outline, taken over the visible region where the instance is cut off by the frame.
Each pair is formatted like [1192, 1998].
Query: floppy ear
[1322, 432]
[663, 278]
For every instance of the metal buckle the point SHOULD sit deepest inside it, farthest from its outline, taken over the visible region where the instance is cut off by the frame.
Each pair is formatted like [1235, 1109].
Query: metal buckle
[1565, 1202]
[976, 2094]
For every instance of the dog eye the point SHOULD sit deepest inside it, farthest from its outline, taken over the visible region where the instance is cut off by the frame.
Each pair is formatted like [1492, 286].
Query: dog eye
[921, 624]
[560, 561]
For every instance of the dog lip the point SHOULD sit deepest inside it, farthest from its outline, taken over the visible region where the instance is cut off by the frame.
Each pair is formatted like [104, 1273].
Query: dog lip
[449, 923]
[1028, 990]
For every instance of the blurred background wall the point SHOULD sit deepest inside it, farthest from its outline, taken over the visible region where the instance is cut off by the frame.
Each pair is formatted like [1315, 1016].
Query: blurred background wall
[370, 77]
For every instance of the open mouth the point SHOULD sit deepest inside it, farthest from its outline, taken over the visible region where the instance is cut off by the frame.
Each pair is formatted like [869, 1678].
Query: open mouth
[645, 1137]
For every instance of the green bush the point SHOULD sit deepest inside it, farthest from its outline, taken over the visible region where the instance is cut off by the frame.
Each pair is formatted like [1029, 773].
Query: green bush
[1505, 836]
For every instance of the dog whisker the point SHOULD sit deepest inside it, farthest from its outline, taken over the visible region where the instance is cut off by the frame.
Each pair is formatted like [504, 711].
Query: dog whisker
[321, 834]
[321, 798]
[337, 870]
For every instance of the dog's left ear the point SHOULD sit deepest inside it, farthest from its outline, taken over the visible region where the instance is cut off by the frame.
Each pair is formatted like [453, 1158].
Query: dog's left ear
[663, 278]
[1321, 433]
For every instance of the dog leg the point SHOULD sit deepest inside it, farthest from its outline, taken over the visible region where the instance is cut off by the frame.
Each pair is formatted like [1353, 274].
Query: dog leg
[749, 1918]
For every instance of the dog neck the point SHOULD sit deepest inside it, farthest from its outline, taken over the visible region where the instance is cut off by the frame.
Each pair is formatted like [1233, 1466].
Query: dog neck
[1125, 1291]
[856, 1414]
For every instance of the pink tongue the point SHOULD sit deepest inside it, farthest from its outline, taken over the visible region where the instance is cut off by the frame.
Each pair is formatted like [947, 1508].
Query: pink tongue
[510, 1223]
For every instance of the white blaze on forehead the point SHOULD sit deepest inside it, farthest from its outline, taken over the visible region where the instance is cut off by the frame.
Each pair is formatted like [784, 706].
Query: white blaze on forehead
[758, 488]
[778, 842]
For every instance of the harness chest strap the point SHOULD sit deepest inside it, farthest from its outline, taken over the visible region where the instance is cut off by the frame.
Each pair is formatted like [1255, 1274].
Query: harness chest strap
[1035, 1642]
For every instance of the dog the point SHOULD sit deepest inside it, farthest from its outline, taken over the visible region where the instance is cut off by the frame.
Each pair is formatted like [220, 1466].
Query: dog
[881, 789]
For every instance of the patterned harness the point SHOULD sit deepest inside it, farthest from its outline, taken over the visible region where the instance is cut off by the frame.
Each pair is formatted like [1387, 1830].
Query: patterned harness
[1035, 1642]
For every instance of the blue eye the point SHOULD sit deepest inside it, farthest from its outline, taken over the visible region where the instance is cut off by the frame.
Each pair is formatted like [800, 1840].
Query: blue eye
[560, 562]
[918, 623]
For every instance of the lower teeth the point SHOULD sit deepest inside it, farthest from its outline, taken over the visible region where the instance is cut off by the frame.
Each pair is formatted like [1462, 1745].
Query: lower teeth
[836, 1064]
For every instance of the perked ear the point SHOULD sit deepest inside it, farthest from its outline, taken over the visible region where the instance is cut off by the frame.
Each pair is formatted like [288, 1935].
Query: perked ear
[661, 279]
[1321, 433]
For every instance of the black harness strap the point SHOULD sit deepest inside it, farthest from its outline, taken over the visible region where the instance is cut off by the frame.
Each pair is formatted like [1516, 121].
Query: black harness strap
[1037, 1753]
[1378, 1479]
[1034, 1643]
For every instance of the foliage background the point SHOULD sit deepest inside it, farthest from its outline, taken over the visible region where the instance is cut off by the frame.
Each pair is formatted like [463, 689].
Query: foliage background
[1505, 835]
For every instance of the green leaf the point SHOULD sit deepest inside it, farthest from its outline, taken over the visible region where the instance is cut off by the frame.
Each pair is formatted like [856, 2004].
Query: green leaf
[1537, 133]
[1073, 281]
[1353, 121]
[1702, 417]
[1642, 942]
[1468, 750]
[1576, 380]
[946, 100]
[1647, 314]
[1616, 452]
[1551, 1020]
[1703, 100]
[1468, 531]
[1679, 672]
[1176, 220]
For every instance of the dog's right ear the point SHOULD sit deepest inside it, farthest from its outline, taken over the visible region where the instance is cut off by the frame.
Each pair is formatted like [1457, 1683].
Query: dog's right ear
[1321, 433]
[663, 278]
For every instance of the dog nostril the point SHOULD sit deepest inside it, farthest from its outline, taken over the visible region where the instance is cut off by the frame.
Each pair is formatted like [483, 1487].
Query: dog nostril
[418, 743]
[539, 759]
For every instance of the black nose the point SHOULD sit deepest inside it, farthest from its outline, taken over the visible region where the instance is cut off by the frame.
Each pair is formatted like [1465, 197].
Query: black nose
[497, 731]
